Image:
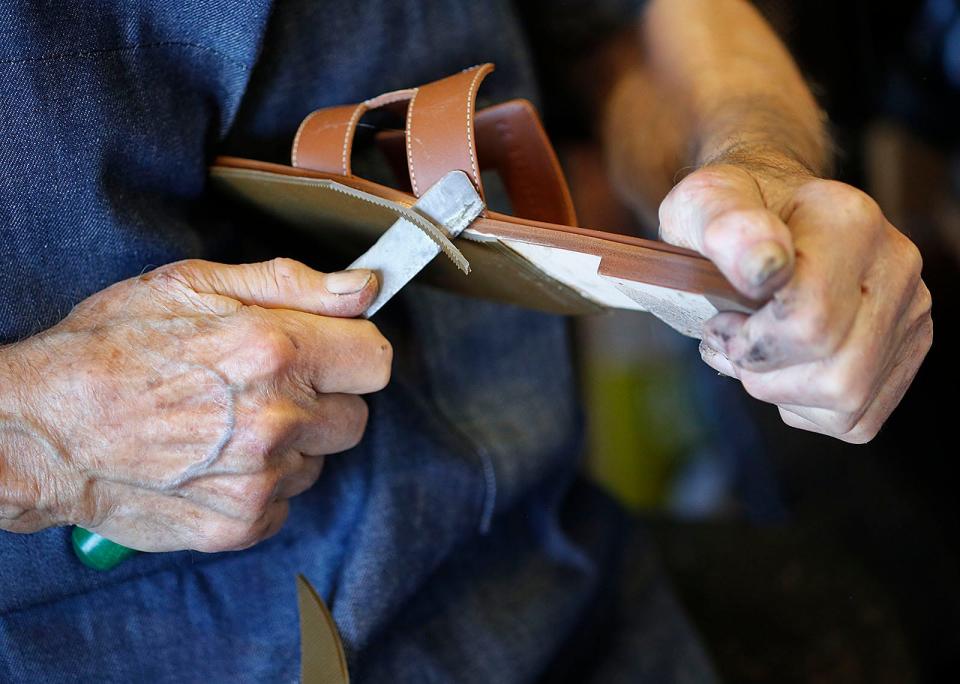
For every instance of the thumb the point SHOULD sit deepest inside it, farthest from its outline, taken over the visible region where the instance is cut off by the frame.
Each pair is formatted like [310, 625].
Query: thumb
[720, 212]
[283, 284]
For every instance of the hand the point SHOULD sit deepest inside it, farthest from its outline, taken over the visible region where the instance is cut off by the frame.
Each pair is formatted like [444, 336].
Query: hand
[182, 409]
[848, 324]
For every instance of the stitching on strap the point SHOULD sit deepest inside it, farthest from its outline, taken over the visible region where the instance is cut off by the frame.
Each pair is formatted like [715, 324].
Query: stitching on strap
[296, 138]
[348, 135]
[471, 93]
[413, 175]
[390, 98]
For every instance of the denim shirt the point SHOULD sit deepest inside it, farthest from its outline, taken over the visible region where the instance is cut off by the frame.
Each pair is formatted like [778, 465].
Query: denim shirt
[447, 544]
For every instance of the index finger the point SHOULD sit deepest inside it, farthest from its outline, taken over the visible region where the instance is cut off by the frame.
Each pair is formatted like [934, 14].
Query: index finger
[324, 354]
[338, 355]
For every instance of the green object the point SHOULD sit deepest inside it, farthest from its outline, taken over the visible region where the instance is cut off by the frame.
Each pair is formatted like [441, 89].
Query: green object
[641, 428]
[98, 552]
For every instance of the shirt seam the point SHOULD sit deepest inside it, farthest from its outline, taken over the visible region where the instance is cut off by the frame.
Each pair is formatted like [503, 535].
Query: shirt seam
[83, 54]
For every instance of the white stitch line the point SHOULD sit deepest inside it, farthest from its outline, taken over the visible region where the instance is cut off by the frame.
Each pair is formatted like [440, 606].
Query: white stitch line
[348, 135]
[413, 176]
[296, 138]
[470, 95]
[389, 98]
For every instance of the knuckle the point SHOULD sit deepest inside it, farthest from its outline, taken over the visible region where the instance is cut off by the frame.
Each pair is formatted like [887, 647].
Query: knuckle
[357, 416]
[668, 230]
[243, 535]
[846, 390]
[726, 225]
[812, 326]
[285, 266]
[255, 445]
[923, 318]
[852, 204]
[791, 419]
[925, 302]
[271, 426]
[845, 423]
[232, 534]
[174, 268]
[170, 276]
[215, 535]
[379, 359]
[926, 336]
[706, 180]
[278, 421]
[685, 198]
[285, 273]
[762, 348]
[860, 434]
[908, 258]
[255, 494]
[755, 387]
[272, 351]
[912, 257]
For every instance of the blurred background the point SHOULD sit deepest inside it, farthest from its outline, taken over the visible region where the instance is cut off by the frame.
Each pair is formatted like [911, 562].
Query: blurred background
[799, 558]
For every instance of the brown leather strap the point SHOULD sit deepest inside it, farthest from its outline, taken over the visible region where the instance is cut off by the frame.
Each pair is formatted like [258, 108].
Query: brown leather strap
[440, 129]
[443, 133]
[324, 141]
[511, 140]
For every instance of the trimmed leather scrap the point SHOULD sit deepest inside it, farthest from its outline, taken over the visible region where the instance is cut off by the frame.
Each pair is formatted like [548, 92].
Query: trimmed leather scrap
[537, 257]
[322, 660]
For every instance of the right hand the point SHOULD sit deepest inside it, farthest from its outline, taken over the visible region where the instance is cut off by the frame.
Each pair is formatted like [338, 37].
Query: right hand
[182, 409]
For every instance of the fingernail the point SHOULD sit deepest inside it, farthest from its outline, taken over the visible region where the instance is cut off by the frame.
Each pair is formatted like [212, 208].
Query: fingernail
[717, 360]
[763, 261]
[348, 282]
[713, 341]
[708, 347]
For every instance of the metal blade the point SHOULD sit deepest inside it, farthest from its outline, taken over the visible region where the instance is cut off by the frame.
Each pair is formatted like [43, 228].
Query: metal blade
[322, 660]
[432, 231]
[406, 247]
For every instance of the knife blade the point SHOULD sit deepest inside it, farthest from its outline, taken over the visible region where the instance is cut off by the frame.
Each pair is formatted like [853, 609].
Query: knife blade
[450, 205]
[322, 660]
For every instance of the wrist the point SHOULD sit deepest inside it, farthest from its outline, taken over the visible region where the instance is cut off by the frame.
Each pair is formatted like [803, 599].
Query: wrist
[761, 160]
[765, 133]
[31, 491]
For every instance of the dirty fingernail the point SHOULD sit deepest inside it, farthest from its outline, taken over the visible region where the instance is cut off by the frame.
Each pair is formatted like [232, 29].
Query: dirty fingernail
[348, 282]
[764, 261]
[713, 341]
[716, 359]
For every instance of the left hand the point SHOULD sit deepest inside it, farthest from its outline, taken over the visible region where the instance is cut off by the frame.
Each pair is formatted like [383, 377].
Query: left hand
[848, 320]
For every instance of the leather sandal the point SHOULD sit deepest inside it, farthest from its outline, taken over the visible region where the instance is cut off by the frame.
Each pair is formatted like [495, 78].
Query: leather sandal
[535, 257]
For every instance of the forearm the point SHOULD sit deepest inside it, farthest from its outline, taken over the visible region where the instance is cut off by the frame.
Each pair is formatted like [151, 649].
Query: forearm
[704, 81]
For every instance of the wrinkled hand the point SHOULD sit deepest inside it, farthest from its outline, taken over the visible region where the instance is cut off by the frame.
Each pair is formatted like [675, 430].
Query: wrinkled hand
[848, 324]
[182, 409]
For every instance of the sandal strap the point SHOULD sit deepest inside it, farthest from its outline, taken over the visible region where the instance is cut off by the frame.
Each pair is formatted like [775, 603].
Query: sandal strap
[443, 133]
[324, 140]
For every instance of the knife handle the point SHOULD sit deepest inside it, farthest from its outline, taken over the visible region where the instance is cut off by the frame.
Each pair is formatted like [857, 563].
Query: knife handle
[96, 551]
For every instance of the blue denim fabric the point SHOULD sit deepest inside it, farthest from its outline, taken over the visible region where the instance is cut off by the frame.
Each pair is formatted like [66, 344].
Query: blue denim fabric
[450, 545]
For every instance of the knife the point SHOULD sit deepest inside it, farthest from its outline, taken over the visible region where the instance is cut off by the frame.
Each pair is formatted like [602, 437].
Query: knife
[450, 205]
